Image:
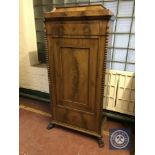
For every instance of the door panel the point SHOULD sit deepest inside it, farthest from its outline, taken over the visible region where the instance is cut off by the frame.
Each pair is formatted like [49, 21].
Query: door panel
[75, 75]
[75, 70]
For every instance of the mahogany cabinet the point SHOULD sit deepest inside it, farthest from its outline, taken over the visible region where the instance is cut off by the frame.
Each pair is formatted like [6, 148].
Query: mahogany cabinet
[76, 40]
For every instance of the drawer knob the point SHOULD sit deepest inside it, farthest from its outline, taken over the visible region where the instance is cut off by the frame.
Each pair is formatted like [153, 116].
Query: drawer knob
[86, 30]
[61, 30]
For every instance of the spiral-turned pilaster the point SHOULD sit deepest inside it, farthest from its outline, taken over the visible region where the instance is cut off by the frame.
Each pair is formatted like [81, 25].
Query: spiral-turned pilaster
[104, 64]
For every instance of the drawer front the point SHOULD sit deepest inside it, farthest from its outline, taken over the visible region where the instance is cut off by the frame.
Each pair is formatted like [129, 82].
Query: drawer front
[76, 118]
[73, 28]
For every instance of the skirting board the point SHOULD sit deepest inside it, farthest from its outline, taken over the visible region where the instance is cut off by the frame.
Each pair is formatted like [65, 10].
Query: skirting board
[34, 94]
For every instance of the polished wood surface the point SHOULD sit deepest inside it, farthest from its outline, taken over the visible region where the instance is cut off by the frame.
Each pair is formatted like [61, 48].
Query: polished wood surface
[76, 66]
[83, 12]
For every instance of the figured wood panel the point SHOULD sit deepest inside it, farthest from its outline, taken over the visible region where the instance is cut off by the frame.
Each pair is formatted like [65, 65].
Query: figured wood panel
[76, 118]
[74, 28]
[75, 74]
[76, 61]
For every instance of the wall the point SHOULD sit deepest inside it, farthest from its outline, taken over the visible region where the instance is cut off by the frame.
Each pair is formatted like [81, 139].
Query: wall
[30, 77]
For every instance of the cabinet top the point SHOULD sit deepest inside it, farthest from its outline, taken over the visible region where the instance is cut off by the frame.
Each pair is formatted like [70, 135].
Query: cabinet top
[92, 11]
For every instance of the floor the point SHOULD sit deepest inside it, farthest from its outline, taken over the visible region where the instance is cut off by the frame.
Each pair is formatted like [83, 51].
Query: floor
[35, 139]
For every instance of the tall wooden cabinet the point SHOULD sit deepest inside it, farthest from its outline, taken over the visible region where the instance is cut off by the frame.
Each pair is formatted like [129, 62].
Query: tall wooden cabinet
[76, 40]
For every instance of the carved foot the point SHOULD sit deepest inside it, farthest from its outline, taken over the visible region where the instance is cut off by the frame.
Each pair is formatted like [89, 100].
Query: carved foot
[100, 142]
[50, 126]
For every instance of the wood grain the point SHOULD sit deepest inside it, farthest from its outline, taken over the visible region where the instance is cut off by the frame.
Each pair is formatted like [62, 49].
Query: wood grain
[76, 59]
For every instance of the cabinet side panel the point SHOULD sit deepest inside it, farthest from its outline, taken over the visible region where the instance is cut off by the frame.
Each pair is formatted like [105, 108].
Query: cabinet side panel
[52, 79]
[101, 65]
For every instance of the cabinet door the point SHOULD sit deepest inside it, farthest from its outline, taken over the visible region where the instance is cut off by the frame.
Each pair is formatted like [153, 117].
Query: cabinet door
[75, 62]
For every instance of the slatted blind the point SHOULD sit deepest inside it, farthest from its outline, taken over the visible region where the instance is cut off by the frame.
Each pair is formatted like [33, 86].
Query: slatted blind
[119, 92]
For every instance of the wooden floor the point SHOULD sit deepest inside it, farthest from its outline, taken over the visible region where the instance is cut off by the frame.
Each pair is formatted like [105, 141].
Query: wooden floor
[35, 139]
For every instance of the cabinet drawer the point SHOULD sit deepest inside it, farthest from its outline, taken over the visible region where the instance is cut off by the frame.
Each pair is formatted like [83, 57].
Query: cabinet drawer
[73, 28]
